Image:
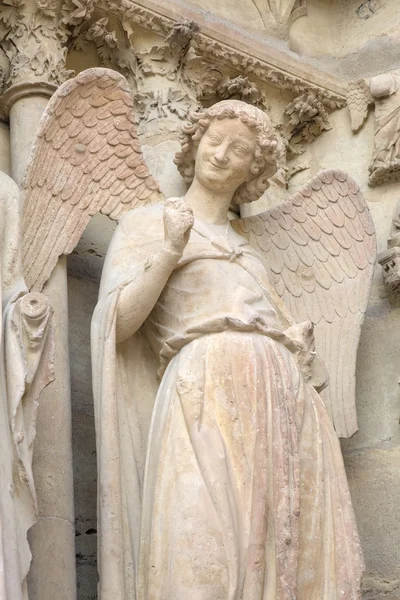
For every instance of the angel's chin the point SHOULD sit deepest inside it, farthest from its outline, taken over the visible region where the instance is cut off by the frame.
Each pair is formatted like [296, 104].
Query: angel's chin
[216, 180]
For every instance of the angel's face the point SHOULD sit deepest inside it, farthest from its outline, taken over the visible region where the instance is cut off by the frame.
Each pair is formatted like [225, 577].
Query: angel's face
[225, 155]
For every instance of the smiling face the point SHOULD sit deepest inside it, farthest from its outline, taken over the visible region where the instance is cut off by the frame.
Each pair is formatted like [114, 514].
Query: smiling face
[225, 155]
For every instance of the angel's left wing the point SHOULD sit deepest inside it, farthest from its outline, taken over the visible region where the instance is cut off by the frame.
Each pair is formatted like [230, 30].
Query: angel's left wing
[320, 250]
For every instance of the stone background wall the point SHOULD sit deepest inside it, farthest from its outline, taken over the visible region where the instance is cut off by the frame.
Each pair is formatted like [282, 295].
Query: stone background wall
[346, 39]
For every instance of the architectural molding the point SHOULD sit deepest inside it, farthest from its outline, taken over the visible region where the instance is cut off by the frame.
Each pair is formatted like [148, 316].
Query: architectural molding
[210, 41]
[248, 56]
[23, 89]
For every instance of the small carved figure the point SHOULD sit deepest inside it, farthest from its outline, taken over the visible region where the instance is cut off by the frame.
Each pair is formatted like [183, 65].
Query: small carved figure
[390, 259]
[26, 367]
[220, 473]
[383, 91]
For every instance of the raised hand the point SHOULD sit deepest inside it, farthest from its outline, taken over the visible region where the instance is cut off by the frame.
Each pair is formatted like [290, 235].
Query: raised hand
[178, 221]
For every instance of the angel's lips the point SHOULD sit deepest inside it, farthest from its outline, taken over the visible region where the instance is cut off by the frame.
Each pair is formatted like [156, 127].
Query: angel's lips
[216, 166]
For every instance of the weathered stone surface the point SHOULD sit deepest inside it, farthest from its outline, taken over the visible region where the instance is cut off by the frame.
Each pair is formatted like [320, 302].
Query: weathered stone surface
[45, 536]
[374, 482]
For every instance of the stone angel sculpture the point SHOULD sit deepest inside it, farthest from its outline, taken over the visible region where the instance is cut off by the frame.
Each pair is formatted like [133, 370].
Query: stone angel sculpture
[220, 472]
[383, 91]
[26, 367]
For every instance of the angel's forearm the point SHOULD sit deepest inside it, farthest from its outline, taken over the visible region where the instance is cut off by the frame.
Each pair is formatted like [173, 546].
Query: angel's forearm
[139, 297]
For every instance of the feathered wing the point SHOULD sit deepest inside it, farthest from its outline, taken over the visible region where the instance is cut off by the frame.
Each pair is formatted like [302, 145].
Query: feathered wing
[86, 159]
[358, 100]
[320, 249]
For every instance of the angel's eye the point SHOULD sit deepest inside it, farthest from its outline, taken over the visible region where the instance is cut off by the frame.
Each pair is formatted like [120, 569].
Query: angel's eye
[240, 150]
[214, 139]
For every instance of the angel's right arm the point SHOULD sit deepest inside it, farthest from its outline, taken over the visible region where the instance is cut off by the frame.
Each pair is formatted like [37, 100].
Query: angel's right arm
[143, 253]
[138, 298]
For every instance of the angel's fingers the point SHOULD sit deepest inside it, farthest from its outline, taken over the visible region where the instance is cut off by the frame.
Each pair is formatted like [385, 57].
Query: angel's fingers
[189, 219]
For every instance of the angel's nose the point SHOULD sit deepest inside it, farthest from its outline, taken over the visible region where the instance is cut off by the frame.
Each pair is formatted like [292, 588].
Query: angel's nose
[221, 155]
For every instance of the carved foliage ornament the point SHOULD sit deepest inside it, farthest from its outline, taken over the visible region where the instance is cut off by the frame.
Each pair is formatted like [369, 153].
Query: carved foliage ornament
[74, 23]
[220, 54]
[307, 118]
[31, 38]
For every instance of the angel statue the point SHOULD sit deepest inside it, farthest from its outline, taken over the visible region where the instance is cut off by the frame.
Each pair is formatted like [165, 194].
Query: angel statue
[26, 367]
[220, 472]
[384, 91]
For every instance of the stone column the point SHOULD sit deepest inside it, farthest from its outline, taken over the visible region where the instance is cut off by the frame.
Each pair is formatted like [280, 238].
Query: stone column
[26, 102]
[52, 538]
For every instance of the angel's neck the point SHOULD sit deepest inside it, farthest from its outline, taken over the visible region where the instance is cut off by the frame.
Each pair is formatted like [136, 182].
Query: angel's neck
[211, 206]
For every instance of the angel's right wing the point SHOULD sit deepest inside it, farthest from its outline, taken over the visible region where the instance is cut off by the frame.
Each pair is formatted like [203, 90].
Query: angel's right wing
[87, 159]
[358, 100]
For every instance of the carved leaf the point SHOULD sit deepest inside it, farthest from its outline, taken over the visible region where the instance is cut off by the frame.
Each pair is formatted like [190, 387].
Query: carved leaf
[334, 242]
[9, 16]
[307, 118]
[86, 159]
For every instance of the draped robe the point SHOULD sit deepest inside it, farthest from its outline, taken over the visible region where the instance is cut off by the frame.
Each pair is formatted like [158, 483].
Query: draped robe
[220, 474]
[25, 368]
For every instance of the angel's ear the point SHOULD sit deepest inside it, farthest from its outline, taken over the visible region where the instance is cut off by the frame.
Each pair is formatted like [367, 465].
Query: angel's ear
[254, 171]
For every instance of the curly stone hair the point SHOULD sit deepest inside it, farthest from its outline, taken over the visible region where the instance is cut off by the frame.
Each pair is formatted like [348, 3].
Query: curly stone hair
[265, 154]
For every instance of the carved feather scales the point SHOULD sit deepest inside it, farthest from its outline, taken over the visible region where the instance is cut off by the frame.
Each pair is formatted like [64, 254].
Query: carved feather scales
[87, 159]
[358, 100]
[320, 250]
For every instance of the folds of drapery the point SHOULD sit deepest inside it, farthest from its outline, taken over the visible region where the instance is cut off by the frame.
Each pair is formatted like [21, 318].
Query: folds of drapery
[125, 387]
[26, 367]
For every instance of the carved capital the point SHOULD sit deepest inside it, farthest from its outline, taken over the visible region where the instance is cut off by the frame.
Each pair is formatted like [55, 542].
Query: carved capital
[32, 41]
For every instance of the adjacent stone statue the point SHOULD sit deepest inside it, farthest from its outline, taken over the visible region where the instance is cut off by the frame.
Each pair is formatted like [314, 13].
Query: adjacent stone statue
[26, 367]
[220, 472]
[383, 91]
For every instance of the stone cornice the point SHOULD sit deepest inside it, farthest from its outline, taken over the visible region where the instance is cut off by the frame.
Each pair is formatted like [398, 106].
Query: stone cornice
[249, 55]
